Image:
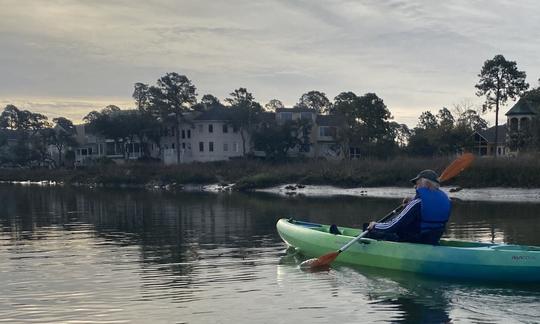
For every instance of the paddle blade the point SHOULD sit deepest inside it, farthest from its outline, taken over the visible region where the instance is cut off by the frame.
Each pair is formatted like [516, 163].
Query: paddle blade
[456, 167]
[322, 261]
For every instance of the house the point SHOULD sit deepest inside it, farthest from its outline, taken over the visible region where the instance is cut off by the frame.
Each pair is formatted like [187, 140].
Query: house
[519, 120]
[215, 138]
[484, 142]
[211, 135]
[92, 146]
[203, 136]
[323, 139]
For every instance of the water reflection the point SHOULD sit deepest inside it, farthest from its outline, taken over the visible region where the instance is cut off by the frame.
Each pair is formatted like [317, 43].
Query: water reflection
[131, 255]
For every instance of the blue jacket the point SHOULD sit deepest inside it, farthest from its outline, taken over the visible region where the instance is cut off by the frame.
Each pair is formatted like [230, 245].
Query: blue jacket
[424, 216]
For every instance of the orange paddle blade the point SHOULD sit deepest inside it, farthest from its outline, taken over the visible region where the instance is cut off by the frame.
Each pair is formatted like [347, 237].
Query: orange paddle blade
[455, 168]
[322, 261]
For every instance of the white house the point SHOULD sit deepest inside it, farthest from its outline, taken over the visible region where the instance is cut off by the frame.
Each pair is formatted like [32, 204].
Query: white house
[203, 137]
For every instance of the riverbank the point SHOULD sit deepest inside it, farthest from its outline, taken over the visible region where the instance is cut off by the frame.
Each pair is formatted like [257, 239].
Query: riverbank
[246, 175]
[456, 193]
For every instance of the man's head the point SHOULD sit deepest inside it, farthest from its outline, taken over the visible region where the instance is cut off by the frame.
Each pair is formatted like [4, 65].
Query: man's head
[426, 178]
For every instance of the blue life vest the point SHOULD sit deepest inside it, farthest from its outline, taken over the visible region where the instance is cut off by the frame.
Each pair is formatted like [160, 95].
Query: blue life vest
[435, 210]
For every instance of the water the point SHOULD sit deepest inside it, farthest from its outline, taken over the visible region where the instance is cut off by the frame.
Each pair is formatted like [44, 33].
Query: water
[117, 256]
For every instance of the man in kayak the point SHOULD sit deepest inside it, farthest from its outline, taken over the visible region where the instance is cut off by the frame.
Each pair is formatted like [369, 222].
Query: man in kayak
[423, 218]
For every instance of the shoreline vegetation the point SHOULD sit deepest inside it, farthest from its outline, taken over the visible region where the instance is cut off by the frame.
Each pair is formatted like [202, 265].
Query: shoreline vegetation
[247, 175]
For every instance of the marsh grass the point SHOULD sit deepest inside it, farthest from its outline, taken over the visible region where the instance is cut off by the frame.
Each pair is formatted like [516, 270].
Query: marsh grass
[523, 171]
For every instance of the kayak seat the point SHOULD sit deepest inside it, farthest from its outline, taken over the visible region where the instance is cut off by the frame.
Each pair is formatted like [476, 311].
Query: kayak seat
[334, 230]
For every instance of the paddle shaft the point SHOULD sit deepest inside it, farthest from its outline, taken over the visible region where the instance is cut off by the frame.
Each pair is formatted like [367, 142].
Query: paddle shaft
[346, 246]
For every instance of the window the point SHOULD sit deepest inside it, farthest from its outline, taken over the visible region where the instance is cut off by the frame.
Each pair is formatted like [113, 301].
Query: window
[189, 133]
[189, 146]
[225, 147]
[172, 146]
[327, 131]
[524, 124]
[210, 146]
[201, 146]
[184, 146]
[200, 127]
[285, 115]
[235, 129]
[183, 133]
[210, 128]
[236, 147]
[354, 153]
[514, 124]
[225, 128]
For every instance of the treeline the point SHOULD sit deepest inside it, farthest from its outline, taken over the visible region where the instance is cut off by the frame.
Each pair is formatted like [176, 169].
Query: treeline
[367, 128]
[26, 138]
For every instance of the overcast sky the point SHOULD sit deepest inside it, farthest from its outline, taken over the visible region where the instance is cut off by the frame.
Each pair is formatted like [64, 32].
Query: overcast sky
[65, 58]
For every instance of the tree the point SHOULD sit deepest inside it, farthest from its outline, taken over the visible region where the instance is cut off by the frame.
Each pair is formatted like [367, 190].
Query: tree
[500, 80]
[245, 112]
[141, 95]
[10, 118]
[15, 119]
[178, 92]
[62, 136]
[176, 95]
[446, 119]
[374, 116]
[347, 105]
[401, 133]
[469, 116]
[427, 120]
[208, 102]
[274, 104]
[277, 139]
[316, 101]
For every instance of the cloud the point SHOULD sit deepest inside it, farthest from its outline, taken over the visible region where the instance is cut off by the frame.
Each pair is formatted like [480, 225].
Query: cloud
[415, 54]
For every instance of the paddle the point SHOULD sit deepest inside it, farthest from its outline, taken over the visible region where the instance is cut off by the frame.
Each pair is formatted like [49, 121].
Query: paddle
[455, 168]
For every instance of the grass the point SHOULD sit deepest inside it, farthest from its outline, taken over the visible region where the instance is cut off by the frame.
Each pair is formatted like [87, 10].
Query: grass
[523, 171]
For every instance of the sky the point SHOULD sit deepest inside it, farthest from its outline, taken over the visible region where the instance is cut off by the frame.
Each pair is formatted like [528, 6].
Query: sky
[68, 57]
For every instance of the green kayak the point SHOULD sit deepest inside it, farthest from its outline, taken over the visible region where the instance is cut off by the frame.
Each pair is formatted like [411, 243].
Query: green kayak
[450, 259]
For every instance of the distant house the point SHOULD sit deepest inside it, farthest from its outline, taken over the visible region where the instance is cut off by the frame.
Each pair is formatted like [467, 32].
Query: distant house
[519, 120]
[323, 140]
[211, 136]
[92, 146]
[203, 137]
[216, 139]
[484, 142]
[328, 144]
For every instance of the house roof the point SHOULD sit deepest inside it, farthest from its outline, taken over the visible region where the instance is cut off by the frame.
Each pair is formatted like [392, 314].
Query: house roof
[489, 134]
[267, 116]
[525, 107]
[330, 120]
[295, 109]
[214, 114]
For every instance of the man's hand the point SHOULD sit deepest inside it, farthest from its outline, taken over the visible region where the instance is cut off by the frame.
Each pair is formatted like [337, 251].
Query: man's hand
[371, 225]
[406, 200]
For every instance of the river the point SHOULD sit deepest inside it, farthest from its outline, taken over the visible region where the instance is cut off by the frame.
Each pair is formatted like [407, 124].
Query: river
[133, 256]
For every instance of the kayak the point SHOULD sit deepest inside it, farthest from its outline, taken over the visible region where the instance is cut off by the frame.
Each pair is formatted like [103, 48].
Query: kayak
[450, 259]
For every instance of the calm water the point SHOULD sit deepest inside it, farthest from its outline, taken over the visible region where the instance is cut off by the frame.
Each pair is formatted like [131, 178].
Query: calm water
[115, 256]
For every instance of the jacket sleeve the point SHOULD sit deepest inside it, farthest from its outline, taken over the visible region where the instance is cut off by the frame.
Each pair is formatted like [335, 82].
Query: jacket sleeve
[408, 215]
